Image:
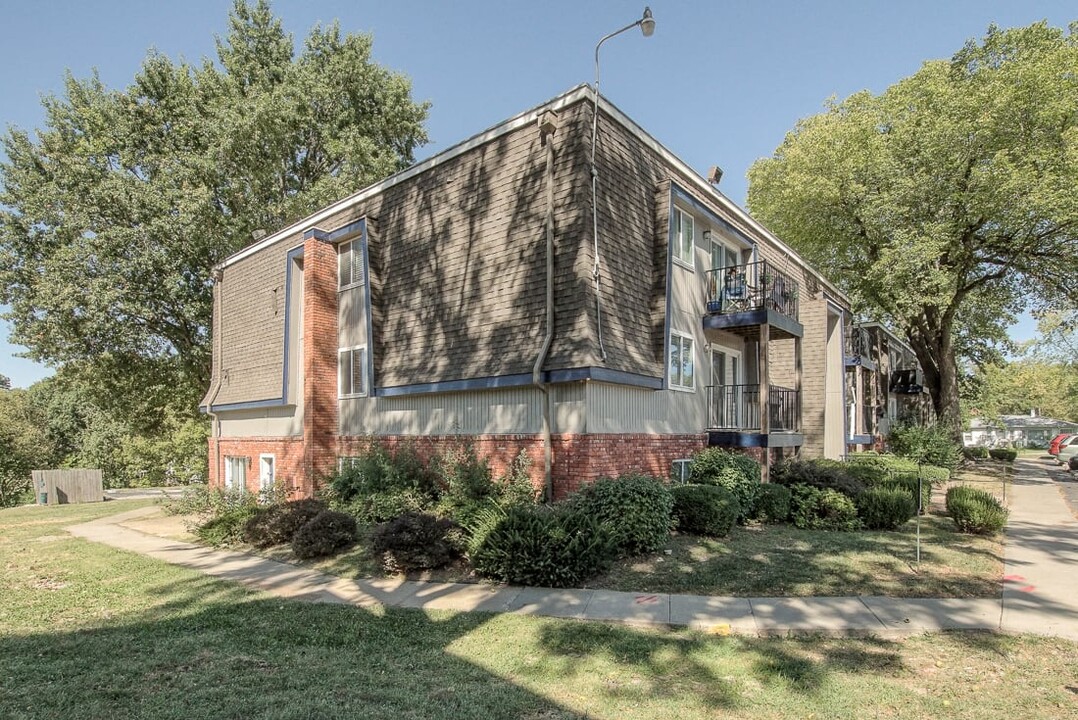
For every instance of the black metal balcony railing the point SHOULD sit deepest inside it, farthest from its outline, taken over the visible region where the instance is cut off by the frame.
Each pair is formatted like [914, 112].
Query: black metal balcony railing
[752, 286]
[857, 342]
[737, 407]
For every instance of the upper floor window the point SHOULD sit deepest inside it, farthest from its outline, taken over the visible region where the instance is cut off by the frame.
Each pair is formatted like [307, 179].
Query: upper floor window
[349, 264]
[351, 372]
[684, 236]
[682, 362]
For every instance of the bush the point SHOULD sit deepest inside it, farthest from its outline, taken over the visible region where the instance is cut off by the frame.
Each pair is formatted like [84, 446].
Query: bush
[277, 524]
[416, 541]
[773, 504]
[468, 485]
[908, 483]
[736, 473]
[226, 527]
[220, 514]
[545, 546]
[820, 474]
[816, 509]
[638, 509]
[326, 533]
[1004, 454]
[892, 464]
[975, 511]
[704, 509]
[927, 444]
[975, 453]
[381, 483]
[885, 508]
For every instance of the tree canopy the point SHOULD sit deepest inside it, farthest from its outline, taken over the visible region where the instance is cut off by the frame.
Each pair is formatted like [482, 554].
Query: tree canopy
[113, 214]
[947, 203]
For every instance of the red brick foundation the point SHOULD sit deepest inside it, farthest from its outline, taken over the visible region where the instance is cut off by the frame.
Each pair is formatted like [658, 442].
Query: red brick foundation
[288, 461]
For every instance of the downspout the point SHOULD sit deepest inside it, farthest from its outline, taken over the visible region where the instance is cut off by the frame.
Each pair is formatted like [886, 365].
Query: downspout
[548, 125]
[215, 429]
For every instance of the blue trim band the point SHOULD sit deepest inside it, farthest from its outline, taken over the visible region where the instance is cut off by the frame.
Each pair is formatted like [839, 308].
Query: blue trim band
[732, 438]
[597, 374]
[253, 405]
[352, 228]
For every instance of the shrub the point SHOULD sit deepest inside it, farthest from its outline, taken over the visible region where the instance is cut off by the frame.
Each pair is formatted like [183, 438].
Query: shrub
[773, 504]
[737, 473]
[885, 508]
[908, 483]
[927, 444]
[546, 546]
[1004, 454]
[220, 514]
[893, 464]
[381, 483]
[277, 524]
[704, 509]
[820, 474]
[226, 527]
[816, 509]
[468, 485]
[324, 534]
[416, 541]
[638, 509]
[975, 511]
[976, 452]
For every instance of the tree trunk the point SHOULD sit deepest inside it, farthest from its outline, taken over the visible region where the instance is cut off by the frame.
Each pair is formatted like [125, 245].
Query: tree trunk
[930, 337]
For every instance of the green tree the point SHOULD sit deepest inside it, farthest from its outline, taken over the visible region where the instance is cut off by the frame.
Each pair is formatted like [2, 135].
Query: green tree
[947, 203]
[1015, 388]
[113, 214]
[5, 382]
[24, 446]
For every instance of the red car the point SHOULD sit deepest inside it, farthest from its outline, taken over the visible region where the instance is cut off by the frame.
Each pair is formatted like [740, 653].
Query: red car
[1053, 447]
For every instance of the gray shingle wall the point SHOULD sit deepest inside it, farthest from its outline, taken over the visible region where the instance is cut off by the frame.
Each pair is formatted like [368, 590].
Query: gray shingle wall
[252, 326]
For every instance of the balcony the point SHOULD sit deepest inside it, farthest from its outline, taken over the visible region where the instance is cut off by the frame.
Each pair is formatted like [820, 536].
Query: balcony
[740, 298]
[734, 414]
[858, 348]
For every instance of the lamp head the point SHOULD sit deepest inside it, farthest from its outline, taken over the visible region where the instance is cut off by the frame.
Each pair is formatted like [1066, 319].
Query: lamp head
[647, 23]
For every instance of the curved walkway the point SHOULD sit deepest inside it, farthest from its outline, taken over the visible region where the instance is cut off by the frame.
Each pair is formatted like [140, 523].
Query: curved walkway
[1040, 593]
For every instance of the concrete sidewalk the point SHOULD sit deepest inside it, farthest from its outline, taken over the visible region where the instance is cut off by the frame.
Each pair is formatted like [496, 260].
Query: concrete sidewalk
[1040, 576]
[1039, 595]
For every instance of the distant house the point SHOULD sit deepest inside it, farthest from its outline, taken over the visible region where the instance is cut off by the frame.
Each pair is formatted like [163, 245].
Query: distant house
[884, 382]
[418, 308]
[1017, 430]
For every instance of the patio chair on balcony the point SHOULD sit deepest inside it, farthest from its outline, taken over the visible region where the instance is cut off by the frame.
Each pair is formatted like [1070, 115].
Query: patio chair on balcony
[735, 292]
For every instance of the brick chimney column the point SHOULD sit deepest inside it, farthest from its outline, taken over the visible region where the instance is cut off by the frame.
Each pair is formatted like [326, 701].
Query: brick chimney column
[320, 427]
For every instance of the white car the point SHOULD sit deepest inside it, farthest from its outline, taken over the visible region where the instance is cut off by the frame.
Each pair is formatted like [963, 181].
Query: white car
[1067, 452]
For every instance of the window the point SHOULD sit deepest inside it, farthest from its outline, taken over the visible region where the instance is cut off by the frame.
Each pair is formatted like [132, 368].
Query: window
[679, 472]
[351, 371]
[681, 362]
[349, 264]
[345, 462]
[267, 474]
[236, 473]
[684, 234]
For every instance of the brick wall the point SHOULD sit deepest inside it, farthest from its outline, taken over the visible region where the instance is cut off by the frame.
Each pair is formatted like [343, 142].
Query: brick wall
[578, 459]
[288, 461]
[319, 360]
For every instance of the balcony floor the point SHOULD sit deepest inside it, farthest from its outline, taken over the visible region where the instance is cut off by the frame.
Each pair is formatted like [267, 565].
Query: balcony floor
[747, 323]
[748, 439]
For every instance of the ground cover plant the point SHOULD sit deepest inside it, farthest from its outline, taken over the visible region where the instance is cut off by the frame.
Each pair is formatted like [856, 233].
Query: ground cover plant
[89, 632]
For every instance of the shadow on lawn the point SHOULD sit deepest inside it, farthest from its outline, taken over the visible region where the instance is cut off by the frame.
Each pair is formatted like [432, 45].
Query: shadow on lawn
[216, 650]
[802, 665]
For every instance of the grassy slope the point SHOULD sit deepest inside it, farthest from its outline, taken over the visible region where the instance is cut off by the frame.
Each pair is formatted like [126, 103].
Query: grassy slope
[90, 632]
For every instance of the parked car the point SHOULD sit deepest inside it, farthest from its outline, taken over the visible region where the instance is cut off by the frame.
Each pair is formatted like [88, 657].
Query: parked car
[1068, 451]
[1053, 447]
[1073, 463]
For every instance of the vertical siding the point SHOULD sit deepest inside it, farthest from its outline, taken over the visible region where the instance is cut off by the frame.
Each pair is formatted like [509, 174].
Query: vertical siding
[263, 422]
[626, 409]
[503, 411]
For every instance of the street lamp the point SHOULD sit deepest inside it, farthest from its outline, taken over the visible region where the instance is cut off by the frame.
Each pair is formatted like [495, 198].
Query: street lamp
[647, 27]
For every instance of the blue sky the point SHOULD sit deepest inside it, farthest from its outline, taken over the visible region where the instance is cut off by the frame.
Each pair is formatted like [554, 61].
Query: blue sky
[719, 83]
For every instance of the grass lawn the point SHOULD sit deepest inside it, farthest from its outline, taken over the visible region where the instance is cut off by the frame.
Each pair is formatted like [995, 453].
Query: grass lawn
[91, 632]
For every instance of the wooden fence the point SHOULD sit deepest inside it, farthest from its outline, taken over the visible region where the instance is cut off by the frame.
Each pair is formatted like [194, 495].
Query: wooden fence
[61, 487]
